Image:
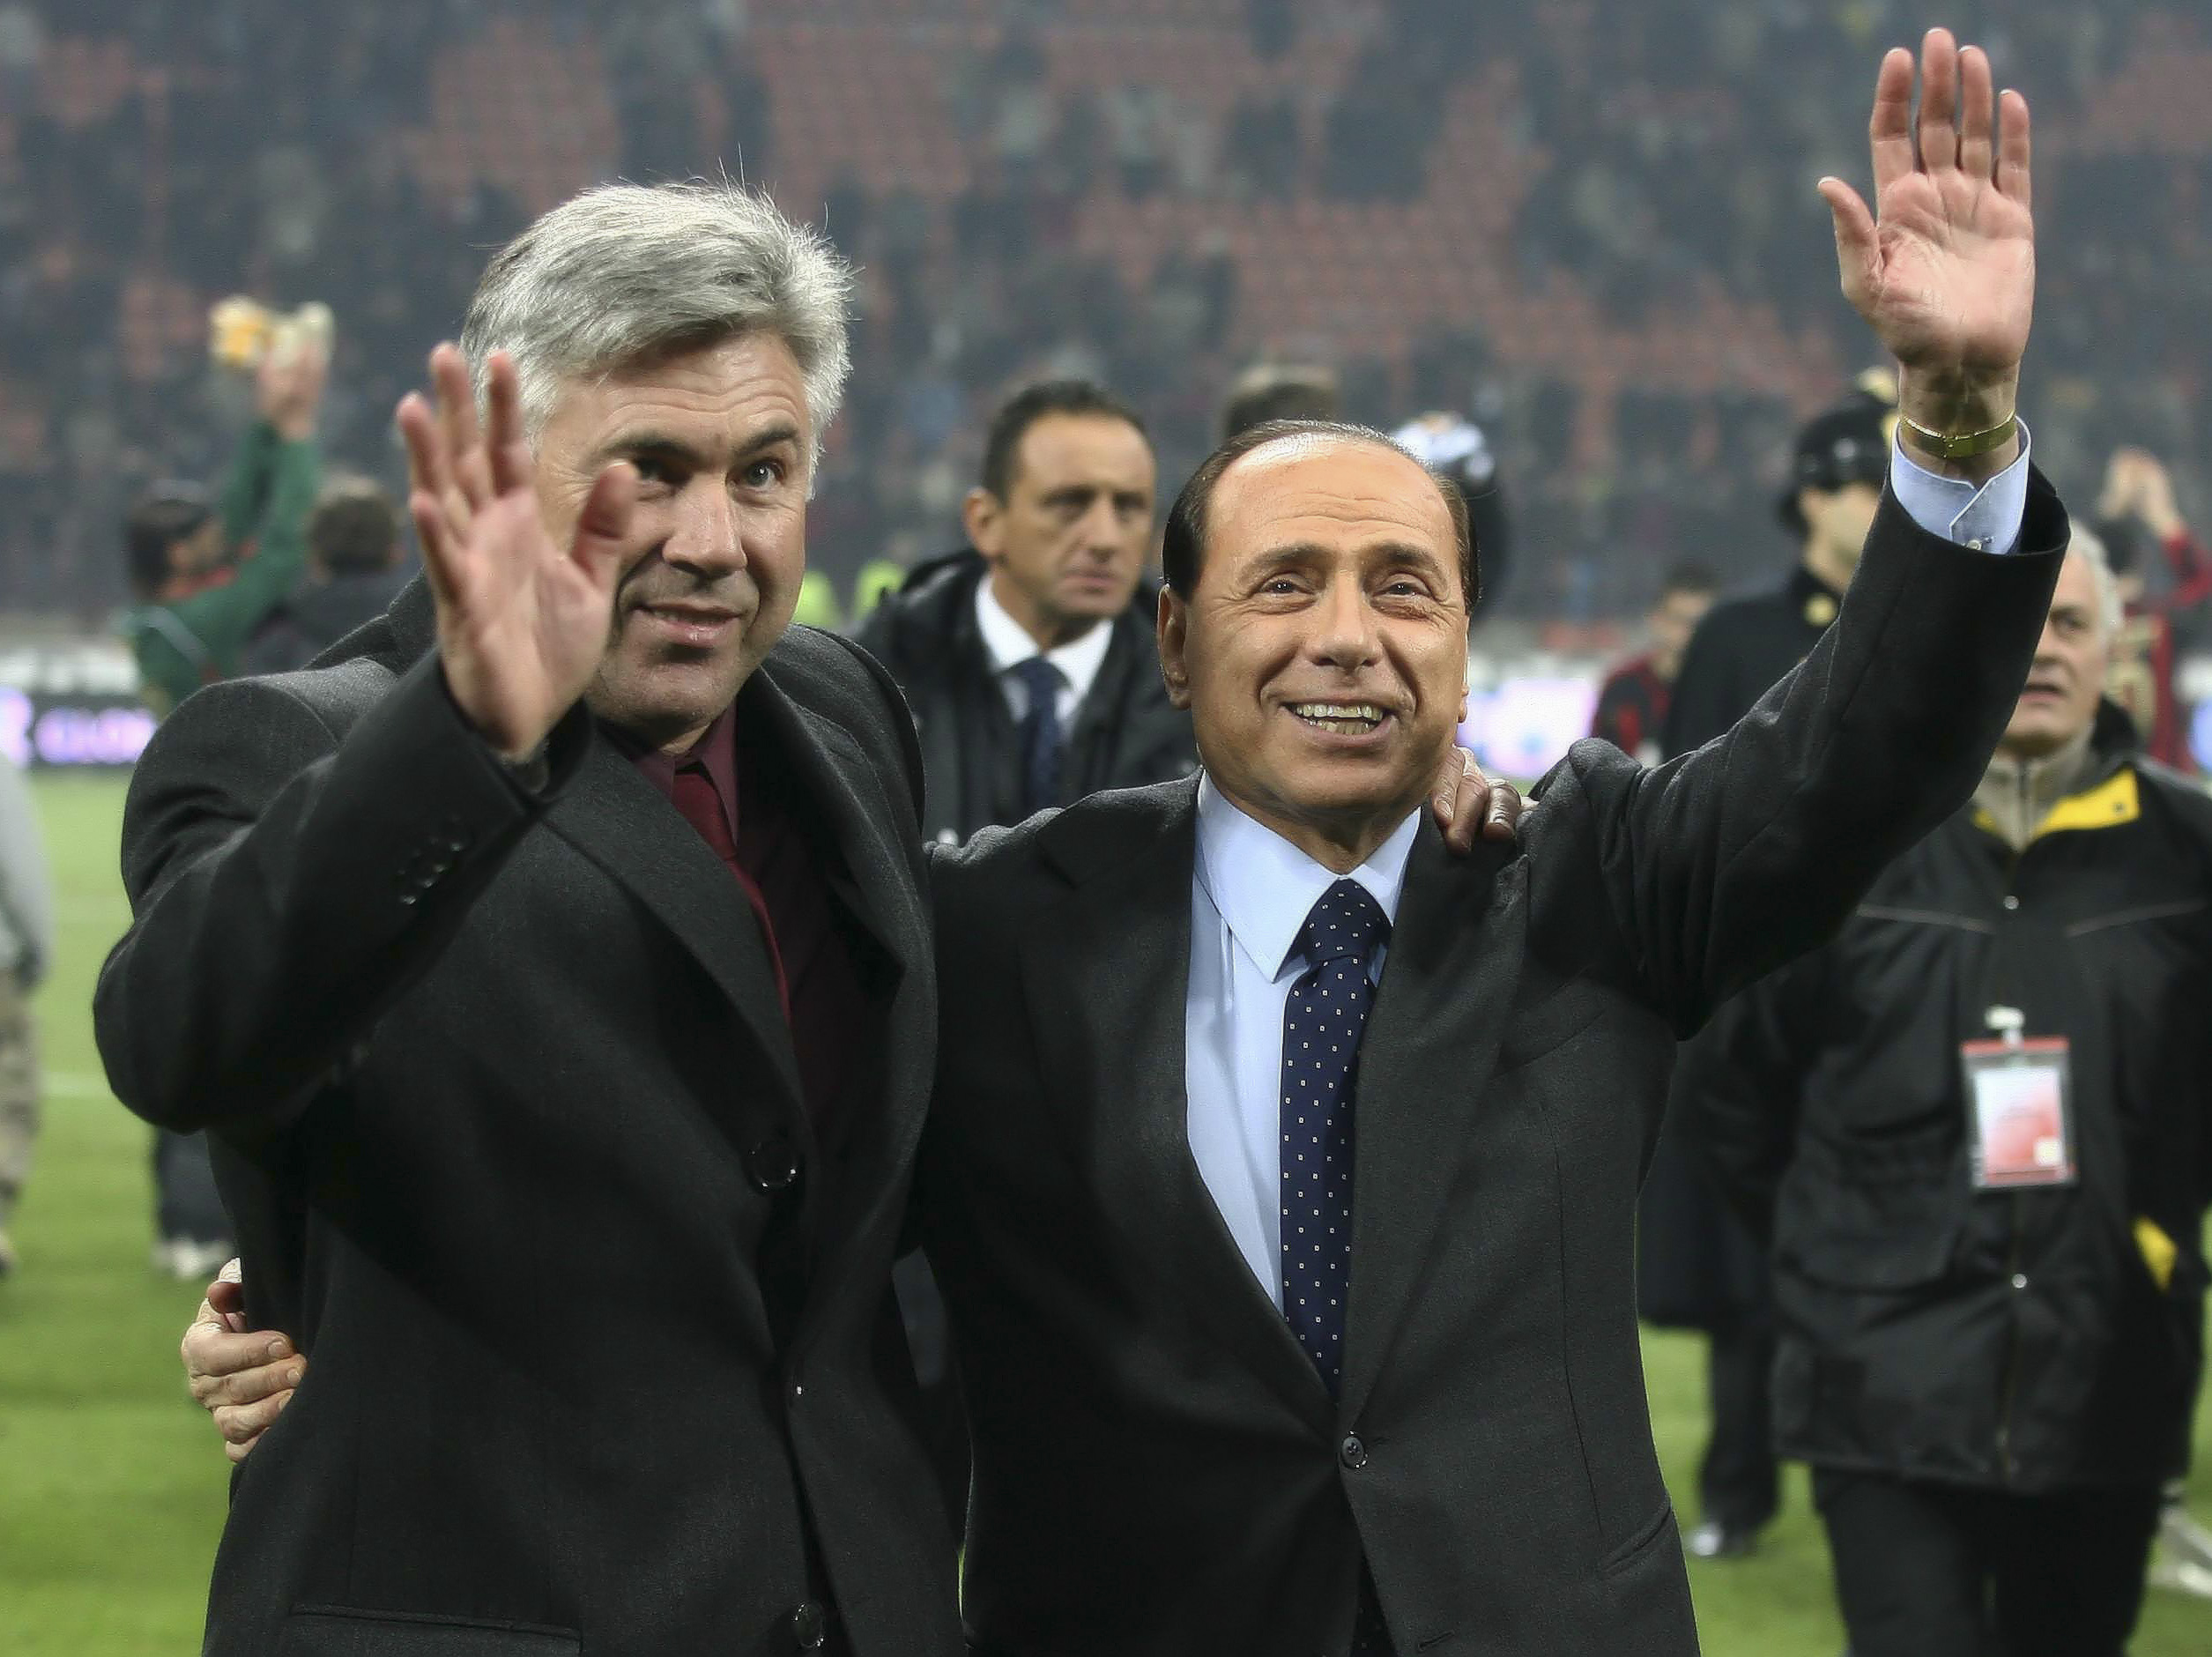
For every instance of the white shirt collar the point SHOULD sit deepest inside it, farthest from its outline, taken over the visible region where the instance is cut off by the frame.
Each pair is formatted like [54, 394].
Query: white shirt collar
[1009, 645]
[1265, 886]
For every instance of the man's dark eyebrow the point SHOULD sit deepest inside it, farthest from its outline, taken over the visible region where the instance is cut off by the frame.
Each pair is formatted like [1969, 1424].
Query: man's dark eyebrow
[647, 444]
[1401, 553]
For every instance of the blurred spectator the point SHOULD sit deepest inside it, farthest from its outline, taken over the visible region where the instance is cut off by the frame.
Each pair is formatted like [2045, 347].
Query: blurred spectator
[1280, 391]
[1454, 447]
[2136, 516]
[26, 951]
[207, 577]
[1631, 708]
[355, 568]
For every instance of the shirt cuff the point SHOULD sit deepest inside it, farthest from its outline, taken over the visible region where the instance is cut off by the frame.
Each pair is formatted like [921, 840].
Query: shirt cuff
[1987, 518]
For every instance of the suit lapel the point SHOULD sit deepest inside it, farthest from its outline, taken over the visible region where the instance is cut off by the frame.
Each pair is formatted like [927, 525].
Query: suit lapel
[1440, 1013]
[874, 880]
[621, 822]
[1106, 978]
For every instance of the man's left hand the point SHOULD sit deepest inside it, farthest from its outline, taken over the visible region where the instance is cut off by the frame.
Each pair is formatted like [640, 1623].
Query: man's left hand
[1469, 806]
[1944, 267]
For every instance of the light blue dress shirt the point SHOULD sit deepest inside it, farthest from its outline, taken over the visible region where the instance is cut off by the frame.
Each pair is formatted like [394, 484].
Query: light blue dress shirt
[1250, 891]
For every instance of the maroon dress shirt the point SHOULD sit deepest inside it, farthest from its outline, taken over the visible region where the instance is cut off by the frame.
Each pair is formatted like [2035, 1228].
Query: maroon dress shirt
[737, 790]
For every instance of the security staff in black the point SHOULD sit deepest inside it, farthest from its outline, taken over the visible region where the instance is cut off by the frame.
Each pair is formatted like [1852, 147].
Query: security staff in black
[1990, 1292]
[1029, 658]
[1696, 1268]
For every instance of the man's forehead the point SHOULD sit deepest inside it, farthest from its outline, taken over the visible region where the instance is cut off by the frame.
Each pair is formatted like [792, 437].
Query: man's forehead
[2077, 584]
[1330, 488]
[729, 392]
[1064, 443]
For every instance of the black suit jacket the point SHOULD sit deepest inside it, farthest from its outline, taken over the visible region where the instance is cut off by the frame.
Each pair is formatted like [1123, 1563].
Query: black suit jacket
[504, 1098]
[1158, 1467]
[1125, 732]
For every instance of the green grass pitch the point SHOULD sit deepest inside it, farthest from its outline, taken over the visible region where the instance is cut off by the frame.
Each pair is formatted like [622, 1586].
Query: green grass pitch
[112, 1484]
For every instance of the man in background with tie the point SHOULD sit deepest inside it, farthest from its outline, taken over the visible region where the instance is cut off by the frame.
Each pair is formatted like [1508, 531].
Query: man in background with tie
[1028, 656]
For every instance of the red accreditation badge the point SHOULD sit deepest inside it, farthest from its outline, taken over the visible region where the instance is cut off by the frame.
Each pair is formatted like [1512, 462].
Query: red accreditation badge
[2019, 1122]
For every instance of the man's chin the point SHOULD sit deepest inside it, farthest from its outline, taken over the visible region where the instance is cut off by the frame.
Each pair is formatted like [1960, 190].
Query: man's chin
[1093, 603]
[667, 700]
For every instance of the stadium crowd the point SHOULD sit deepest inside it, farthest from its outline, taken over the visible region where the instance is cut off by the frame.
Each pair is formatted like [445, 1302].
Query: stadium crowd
[1427, 195]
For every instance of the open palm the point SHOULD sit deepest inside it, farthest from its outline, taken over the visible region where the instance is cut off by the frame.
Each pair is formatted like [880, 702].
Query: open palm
[523, 621]
[1945, 270]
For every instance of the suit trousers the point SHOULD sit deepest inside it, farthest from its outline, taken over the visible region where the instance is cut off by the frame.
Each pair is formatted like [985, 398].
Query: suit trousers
[1933, 1570]
[1739, 1482]
[187, 1206]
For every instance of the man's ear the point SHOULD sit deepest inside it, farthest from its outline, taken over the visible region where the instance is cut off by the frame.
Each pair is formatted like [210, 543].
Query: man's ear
[1174, 631]
[984, 517]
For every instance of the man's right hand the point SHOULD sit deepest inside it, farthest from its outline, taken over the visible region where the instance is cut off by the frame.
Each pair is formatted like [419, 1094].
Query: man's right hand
[522, 622]
[242, 1377]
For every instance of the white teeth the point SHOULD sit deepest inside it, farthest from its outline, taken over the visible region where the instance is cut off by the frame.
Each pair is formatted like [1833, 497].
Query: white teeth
[1337, 710]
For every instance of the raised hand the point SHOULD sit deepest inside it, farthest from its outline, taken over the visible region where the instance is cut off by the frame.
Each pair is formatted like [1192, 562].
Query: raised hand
[523, 621]
[1944, 267]
[288, 389]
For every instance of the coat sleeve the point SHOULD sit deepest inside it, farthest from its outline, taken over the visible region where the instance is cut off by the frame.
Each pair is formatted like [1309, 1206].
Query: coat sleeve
[1685, 882]
[286, 884]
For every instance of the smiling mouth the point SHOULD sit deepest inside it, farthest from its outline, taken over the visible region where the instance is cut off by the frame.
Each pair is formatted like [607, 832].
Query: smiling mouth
[1339, 718]
[687, 625]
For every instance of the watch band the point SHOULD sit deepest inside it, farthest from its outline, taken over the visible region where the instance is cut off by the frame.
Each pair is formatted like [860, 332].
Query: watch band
[1959, 446]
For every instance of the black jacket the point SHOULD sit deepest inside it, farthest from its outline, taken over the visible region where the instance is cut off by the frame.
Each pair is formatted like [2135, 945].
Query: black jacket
[503, 1095]
[1158, 1466]
[1697, 1268]
[1740, 647]
[317, 615]
[2015, 1340]
[1125, 733]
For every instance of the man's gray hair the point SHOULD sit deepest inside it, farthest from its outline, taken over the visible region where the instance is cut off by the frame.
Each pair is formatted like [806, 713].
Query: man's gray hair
[624, 274]
[2086, 545]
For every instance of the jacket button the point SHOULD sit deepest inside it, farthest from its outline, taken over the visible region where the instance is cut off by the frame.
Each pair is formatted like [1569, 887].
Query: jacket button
[1352, 1453]
[809, 1626]
[773, 1163]
[2012, 900]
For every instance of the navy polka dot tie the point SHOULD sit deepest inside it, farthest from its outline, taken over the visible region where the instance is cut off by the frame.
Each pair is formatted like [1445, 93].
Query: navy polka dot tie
[1321, 1028]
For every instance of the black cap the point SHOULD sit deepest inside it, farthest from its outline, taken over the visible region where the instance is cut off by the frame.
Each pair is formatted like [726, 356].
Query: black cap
[1849, 443]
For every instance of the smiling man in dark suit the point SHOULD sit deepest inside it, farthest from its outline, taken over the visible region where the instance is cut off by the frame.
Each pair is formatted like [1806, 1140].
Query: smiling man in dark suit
[1281, 1172]
[568, 940]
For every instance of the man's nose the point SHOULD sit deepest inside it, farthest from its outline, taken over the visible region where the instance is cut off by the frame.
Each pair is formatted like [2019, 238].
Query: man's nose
[1101, 530]
[708, 538]
[1345, 633]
